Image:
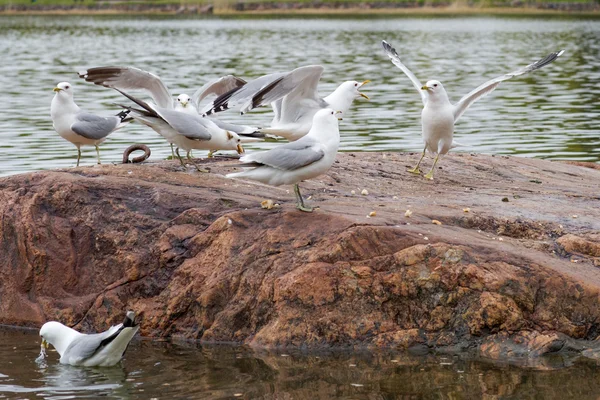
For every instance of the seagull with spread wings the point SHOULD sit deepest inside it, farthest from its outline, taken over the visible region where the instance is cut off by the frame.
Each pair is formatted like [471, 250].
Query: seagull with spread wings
[131, 78]
[80, 127]
[294, 97]
[439, 115]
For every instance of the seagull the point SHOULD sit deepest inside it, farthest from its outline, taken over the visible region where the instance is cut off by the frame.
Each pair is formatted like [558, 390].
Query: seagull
[187, 131]
[131, 78]
[80, 127]
[290, 163]
[439, 115]
[294, 97]
[96, 350]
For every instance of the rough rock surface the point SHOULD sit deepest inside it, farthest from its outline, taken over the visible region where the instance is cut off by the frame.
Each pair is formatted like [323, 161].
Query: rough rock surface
[513, 258]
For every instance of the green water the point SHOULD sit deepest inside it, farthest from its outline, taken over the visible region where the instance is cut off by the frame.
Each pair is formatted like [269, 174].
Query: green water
[552, 113]
[164, 370]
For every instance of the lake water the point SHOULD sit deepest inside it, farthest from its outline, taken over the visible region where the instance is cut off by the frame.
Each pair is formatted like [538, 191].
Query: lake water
[552, 113]
[164, 370]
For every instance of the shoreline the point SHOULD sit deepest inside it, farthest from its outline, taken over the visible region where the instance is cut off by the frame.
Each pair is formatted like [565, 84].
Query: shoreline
[313, 12]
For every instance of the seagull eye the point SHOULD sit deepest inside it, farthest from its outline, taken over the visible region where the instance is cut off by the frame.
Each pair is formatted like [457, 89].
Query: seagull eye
[332, 113]
[356, 84]
[435, 85]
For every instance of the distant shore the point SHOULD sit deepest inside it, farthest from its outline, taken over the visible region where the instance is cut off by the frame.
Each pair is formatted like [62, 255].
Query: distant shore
[300, 9]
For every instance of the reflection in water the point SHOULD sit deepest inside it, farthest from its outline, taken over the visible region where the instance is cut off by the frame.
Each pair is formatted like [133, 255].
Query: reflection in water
[154, 369]
[553, 113]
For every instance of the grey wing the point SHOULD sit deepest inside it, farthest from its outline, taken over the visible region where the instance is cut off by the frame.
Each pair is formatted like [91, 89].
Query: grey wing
[94, 127]
[489, 86]
[393, 55]
[217, 87]
[276, 105]
[126, 78]
[300, 83]
[241, 94]
[190, 126]
[85, 346]
[289, 156]
[239, 129]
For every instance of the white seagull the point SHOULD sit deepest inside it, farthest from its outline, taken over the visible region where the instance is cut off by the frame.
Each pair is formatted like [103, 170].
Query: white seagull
[131, 78]
[290, 163]
[186, 131]
[80, 127]
[96, 350]
[294, 97]
[439, 115]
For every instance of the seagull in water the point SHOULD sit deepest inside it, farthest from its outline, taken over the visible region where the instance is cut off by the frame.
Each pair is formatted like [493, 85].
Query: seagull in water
[80, 127]
[131, 78]
[96, 350]
[439, 115]
[290, 163]
[294, 97]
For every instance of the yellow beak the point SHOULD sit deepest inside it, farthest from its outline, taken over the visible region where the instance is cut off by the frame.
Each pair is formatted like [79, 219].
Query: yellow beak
[184, 103]
[57, 89]
[363, 84]
[45, 344]
[339, 118]
[424, 87]
[240, 149]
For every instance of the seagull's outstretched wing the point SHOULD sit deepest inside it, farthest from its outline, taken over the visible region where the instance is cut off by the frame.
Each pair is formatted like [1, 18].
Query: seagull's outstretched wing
[287, 157]
[393, 55]
[301, 83]
[240, 94]
[130, 78]
[489, 86]
[217, 87]
[94, 127]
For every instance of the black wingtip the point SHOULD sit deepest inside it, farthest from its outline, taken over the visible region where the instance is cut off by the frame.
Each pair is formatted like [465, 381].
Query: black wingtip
[123, 114]
[129, 321]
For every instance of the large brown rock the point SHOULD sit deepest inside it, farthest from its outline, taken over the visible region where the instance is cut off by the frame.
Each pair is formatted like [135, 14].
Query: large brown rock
[197, 256]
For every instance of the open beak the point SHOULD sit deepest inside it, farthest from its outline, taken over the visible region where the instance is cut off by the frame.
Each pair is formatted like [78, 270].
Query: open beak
[362, 94]
[424, 87]
[240, 149]
[339, 118]
[184, 104]
[44, 344]
[57, 89]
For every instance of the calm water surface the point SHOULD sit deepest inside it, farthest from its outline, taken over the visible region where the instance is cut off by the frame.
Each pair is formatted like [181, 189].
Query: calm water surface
[553, 113]
[162, 370]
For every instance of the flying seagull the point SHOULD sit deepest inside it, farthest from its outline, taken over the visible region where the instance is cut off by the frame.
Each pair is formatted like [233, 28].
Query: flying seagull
[439, 115]
[96, 350]
[131, 78]
[80, 127]
[290, 163]
[294, 97]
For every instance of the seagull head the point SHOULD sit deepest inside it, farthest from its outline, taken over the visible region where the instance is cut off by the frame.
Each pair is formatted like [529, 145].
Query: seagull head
[326, 117]
[235, 139]
[353, 88]
[433, 87]
[64, 89]
[184, 100]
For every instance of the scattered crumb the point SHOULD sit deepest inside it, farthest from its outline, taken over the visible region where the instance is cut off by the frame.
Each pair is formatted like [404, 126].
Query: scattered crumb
[436, 222]
[356, 385]
[309, 197]
[395, 198]
[574, 216]
[500, 239]
[425, 237]
[352, 365]
[364, 192]
[353, 192]
[408, 213]
[267, 204]
[285, 355]
[466, 209]
[238, 394]
[394, 361]
[372, 214]
[229, 221]
[574, 261]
